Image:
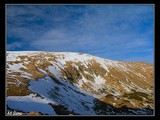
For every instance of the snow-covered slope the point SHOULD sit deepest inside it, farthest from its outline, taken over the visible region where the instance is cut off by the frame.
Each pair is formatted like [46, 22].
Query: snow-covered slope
[63, 83]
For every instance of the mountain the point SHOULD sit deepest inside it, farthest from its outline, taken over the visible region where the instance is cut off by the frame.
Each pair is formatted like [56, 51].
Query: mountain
[67, 83]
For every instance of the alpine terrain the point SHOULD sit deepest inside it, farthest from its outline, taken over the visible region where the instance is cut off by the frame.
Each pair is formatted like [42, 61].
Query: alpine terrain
[68, 83]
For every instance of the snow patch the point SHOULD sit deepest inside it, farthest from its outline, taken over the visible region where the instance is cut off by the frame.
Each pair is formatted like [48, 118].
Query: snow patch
[30, 103]
[55, 71]
[16, 67]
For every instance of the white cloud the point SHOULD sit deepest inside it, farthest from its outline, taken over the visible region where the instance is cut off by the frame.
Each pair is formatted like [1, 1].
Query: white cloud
[13, 46]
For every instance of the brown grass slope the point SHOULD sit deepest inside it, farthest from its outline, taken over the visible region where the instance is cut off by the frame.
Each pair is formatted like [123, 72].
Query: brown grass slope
[133, 81]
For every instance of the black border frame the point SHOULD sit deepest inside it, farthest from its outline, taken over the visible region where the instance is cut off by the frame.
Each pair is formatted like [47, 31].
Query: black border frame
[3, 48]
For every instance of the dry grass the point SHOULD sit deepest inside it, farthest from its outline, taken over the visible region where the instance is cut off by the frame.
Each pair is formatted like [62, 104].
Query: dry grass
[33, 113]
[17, 90]
[73, 74]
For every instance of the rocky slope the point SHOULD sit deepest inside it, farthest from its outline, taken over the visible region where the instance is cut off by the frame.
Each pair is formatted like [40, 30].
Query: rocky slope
[63, 83]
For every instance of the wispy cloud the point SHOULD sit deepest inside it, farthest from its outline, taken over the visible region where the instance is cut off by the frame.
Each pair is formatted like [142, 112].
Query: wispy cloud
[14, 45]
[109, 31]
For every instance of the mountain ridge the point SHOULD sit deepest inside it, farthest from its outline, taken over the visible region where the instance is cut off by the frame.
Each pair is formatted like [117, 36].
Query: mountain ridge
[79, 53]
[115, 84]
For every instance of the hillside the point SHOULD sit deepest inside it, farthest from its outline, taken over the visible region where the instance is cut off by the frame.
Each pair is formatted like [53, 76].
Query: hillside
[64, 83]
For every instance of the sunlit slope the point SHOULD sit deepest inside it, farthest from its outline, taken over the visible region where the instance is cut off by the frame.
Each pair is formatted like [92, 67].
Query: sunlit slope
[77, 83]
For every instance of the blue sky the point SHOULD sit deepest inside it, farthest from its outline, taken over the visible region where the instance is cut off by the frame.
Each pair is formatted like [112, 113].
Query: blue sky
[116, 32]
